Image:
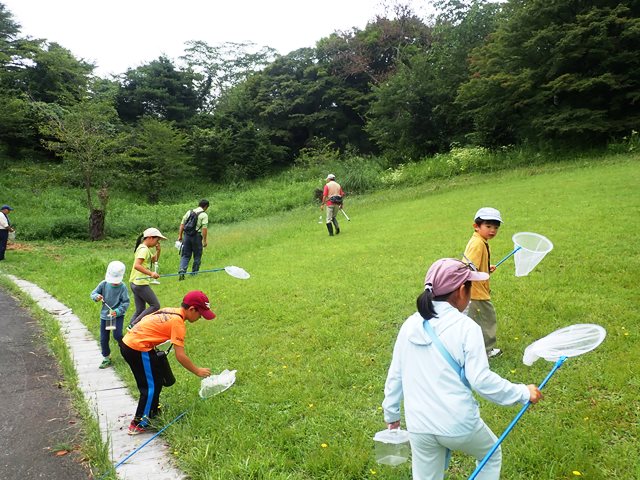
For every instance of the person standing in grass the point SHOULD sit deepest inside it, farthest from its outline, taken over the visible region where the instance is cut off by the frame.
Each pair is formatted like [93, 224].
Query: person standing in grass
[438, 358]
[114, 296]
[485, 225]
[5, 228]
[139, 280]
[138, 349]
[332, 198]
[193, 235]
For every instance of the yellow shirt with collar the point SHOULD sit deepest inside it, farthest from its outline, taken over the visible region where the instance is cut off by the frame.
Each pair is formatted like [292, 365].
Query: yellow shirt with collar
[478, 252]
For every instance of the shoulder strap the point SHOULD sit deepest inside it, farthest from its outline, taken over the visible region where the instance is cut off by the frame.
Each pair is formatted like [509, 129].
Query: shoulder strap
[165, 312]
[445, 353]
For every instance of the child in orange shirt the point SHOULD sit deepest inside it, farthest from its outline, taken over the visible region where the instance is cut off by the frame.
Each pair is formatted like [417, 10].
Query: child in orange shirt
[138, 349]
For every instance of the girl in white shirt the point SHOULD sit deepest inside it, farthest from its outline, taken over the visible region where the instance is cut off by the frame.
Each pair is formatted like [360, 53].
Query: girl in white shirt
[440, 411]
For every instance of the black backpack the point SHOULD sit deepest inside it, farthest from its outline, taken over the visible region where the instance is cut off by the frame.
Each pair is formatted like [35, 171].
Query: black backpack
[191, 223]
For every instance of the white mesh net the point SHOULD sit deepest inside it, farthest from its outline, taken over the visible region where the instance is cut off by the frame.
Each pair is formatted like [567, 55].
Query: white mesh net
[237, 272]
[531, 249]
[566, 342]
[215, 384]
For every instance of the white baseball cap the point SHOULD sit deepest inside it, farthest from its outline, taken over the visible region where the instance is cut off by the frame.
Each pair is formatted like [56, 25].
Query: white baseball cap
[115, 272]
[488, 213]
[331, 176]
[153, 232]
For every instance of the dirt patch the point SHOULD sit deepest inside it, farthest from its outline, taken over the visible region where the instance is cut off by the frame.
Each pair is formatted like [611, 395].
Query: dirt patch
[23, 247]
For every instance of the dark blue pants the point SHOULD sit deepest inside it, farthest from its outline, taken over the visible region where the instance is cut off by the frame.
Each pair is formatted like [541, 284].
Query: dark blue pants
[191, 245]
[105, 334]
[4, 236]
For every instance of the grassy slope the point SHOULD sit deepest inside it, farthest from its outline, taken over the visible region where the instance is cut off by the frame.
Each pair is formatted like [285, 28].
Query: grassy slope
[311, 332]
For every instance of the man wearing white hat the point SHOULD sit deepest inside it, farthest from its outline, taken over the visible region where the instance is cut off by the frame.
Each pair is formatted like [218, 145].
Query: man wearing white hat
[332, 197]
[485, 225]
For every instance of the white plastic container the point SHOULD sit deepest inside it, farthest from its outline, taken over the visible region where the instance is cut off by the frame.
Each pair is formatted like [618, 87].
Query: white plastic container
[110, 323]
[392, 446]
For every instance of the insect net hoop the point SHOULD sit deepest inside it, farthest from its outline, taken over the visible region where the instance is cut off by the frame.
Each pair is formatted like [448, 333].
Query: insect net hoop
[569, 341]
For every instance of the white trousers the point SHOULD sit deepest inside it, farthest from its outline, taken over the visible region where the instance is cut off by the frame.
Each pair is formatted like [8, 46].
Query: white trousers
[429, 453]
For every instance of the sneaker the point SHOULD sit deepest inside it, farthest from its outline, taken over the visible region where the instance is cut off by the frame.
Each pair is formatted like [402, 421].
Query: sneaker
[494, 352]
[136, 429]
[181, 277]
[105, 363]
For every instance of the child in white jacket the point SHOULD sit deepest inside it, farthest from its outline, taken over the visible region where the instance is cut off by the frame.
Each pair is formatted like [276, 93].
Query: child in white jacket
[440, 411]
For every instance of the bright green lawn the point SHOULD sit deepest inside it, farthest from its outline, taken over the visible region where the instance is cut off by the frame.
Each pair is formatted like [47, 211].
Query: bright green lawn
[311, 332]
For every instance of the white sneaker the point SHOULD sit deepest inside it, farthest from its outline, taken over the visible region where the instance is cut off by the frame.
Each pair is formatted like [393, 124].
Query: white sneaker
[494, 352]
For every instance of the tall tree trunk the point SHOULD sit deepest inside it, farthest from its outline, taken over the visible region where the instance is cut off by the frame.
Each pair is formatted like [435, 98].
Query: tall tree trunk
[97, 216]
[96, 224]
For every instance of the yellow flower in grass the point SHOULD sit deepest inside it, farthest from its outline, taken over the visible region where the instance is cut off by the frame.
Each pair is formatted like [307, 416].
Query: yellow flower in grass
[373, 472]
[311, 405]
[577, 473]
[324, 445]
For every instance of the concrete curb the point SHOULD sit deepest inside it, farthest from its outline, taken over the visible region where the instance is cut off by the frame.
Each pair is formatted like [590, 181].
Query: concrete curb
[106, 395]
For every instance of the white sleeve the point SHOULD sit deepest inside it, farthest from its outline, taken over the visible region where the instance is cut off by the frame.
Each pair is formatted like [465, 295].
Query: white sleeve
[393, 386]
[488, 384]
[4, 224]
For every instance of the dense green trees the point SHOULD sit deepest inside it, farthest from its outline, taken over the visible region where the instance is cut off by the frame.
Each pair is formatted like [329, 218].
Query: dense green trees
[159, 90]
[478, 73]
[566, 70]
[415, 112]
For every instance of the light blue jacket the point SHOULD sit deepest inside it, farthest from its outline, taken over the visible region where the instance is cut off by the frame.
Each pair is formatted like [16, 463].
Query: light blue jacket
[116, 296]
[435, 399]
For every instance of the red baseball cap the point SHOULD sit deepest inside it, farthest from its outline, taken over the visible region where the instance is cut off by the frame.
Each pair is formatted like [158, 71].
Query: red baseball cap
[200, 302]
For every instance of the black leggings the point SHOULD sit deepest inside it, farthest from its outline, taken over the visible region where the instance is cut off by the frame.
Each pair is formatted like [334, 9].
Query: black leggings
[148, 377]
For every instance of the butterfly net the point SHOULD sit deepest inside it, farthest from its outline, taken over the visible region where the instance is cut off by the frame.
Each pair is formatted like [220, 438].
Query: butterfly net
[531, 249]
[215, 384]
[237, 272]
[567, 342]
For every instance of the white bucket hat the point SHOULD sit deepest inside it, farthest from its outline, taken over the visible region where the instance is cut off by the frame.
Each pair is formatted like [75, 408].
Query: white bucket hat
[115, 272]
[331, 176]
[153, 232]
[488, 213]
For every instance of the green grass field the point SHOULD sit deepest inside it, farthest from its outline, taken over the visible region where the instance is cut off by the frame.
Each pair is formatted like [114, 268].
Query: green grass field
[311, 332]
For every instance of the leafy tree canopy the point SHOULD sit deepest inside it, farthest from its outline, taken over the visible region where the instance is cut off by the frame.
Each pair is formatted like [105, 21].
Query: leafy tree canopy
[158, 90]
[557, 70]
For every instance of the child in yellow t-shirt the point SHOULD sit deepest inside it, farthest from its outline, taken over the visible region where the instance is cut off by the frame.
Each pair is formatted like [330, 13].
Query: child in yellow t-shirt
[139, 279]
[485, 225]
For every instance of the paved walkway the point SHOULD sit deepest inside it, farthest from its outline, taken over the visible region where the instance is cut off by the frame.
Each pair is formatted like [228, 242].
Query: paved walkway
[35, 417]
[105, 393]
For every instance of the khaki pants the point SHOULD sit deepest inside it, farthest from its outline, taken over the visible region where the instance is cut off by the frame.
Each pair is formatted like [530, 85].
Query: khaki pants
[483, 313]
[332, 212]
